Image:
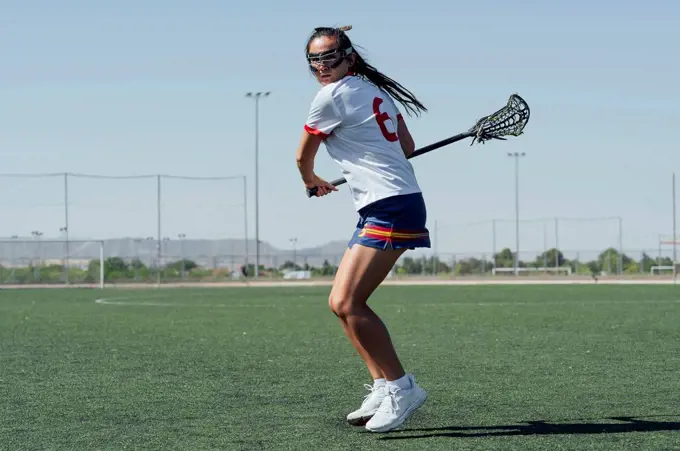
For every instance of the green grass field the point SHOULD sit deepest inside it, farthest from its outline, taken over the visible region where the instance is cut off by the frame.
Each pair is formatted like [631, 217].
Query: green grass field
[514, 367]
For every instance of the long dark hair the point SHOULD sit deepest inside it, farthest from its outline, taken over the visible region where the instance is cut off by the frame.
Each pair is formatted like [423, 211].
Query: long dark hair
[363, 68]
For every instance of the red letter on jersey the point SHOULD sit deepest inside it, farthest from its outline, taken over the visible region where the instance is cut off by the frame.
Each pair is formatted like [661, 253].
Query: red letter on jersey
[381, 117]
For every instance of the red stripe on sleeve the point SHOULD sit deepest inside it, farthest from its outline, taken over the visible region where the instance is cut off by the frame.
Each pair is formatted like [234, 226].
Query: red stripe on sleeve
[316, 132]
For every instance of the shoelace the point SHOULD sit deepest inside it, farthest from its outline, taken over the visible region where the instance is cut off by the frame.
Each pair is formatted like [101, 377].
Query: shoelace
[389, 403]
[372, 389]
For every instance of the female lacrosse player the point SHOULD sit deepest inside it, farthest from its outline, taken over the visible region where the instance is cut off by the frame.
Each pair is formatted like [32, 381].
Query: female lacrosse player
[355, 116]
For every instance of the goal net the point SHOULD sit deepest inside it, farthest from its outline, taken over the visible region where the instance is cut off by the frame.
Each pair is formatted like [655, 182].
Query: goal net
[566, 270]
[38, 262]
[666, 260]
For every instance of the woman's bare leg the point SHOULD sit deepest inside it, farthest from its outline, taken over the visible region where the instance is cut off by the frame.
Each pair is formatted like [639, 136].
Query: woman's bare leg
[361, 271]
[373, 368]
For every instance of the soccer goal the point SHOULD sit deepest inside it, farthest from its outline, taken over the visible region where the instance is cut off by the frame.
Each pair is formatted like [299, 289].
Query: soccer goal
[666, 263]
[545, 270]
[38, 262]
[657, 269]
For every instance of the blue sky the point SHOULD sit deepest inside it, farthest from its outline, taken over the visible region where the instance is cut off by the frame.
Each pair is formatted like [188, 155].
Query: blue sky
[129, 88]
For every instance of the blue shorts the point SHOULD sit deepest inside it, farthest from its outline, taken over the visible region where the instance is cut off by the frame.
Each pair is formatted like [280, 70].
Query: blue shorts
[393, 223]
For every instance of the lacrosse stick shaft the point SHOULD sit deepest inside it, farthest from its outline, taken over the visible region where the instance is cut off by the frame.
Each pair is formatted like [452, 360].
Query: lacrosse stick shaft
[509, 120]
[415, 153]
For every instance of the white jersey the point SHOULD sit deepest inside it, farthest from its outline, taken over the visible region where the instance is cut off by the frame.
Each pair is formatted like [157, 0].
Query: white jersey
[358, 122]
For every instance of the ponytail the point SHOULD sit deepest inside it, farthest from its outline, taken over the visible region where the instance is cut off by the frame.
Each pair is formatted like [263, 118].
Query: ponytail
[393, 88]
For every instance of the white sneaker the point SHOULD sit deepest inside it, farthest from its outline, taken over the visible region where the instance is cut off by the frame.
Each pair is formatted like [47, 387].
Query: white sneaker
[396, 407]
[369, 406]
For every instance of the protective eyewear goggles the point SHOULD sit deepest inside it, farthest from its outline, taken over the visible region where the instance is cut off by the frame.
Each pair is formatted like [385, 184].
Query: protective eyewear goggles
[329, 59]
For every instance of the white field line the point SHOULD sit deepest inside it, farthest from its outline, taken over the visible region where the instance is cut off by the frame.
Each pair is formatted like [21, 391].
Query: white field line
[404, 282]
[140, 302]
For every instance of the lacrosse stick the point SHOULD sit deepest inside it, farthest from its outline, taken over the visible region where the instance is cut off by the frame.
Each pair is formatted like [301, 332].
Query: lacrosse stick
[508, 121]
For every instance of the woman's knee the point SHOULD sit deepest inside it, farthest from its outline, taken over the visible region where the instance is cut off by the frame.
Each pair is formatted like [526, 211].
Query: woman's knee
[343, 304]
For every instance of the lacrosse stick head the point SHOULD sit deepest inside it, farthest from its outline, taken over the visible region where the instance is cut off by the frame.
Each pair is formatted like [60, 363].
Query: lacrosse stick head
[508, 121]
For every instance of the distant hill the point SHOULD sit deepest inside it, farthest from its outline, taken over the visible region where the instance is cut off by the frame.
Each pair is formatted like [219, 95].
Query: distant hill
[212, 253]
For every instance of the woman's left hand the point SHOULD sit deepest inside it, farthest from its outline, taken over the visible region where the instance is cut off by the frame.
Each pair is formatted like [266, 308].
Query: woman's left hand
[322, 186]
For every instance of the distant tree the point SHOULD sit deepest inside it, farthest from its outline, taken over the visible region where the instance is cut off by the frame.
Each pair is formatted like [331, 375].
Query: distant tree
[469, 266]
[188, 265]
[434, 265]
[288, 265]
[137, 264]
[412, 266]
[116, 264]
[547, 258]
[594, 267]
[608, 260]
[327, 269]
[505, 258]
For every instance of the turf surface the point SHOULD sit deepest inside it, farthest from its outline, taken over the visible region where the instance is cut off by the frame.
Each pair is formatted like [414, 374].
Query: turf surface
[526, 368]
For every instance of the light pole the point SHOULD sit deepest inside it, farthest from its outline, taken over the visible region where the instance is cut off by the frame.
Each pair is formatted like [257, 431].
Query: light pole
[516, 156]
[37, 234]
[137, 262]
[674, 234]
[245, 222]
[150, 239]
[13, 263]
[64, 230]
[293, 241]
[181, 237]
[166, 255]
[257, 96]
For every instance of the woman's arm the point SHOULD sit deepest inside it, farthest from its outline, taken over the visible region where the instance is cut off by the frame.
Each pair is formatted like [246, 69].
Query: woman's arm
[405, 138]
[309, 145]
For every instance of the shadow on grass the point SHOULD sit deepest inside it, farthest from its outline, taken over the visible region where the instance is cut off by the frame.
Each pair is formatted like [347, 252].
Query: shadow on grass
[626, 424]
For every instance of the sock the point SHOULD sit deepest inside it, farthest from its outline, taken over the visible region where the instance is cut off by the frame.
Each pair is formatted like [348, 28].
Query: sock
[404, 382]
[379, 382]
